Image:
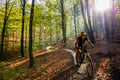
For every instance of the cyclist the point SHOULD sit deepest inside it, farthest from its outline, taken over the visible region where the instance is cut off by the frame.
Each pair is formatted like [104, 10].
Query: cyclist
[79, 43]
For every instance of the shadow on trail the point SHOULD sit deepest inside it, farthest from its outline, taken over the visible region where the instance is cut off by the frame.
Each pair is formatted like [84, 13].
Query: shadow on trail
[112, 67]
[115, 72]
[109, 54]
[65, 74]
[70, 72]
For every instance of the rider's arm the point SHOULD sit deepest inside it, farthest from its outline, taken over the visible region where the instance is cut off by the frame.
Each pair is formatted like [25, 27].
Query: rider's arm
[90, 43]
[76, 44]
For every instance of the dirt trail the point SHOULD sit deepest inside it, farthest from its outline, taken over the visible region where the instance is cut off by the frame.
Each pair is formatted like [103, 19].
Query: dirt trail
[26, 59]
[104, 54]
[100, 55]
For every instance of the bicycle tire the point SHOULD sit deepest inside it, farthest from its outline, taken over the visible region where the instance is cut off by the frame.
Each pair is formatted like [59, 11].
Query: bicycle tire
[90, 69]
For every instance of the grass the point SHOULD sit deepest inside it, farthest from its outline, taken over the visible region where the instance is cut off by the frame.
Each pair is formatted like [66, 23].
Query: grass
[7, 73]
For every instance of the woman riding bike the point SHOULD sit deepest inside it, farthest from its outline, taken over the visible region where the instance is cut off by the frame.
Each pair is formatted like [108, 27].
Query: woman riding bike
[79, 44]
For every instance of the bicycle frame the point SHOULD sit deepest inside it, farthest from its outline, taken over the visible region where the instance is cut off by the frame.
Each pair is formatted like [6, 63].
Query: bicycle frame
[87, 60]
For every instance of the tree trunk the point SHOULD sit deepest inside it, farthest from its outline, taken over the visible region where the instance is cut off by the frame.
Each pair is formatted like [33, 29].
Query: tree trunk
[33, 37]
[113, 18]
[40, 37]
[51, 41]
[30, 35]
[3, 32]
[89, 22]
[83, 15]
[6, 40]
[22, 30]
[74, 8]
[57, 37]
[106, 27]
[51, 30]
[94, 20]
[63, 21]
[26, 38]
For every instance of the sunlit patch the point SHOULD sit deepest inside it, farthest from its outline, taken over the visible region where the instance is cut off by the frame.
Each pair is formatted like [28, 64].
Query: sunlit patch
[101, 73]
[102, 5]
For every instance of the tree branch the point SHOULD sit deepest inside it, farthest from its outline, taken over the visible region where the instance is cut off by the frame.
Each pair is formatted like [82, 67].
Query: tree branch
[59, 8]
[2, 10]
[10, 10]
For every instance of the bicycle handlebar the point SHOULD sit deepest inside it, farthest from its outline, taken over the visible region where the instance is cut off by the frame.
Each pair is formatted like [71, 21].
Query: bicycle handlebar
[86, 47]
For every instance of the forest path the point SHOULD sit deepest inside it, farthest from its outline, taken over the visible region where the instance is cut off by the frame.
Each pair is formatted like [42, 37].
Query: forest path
[105, 56]
[23, 60]
[98, 55]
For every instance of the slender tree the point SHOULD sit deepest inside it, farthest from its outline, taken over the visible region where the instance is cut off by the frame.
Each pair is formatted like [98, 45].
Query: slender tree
[113, 17]
[30, 35]
[106, 26]
[94, 20]
[74, 13]
[23, 2]
[3, 30]
[51, 30]
[63, 20]
[57, 33]
[6, 17]
[89, 23]
[40, 33]
[84, 18]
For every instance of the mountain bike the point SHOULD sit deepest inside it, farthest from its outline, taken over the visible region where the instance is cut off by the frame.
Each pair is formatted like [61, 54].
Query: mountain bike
[85, 59]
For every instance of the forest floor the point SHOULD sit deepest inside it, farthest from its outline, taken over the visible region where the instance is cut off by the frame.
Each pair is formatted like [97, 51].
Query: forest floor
[58, 64]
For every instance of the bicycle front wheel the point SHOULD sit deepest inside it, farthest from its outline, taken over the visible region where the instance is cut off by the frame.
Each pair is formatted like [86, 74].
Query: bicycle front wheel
[90, 68]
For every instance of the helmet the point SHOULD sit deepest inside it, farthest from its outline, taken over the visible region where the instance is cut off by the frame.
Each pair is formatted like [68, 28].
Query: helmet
[83, 33]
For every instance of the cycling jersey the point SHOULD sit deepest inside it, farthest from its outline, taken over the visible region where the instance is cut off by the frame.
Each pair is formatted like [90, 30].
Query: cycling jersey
[80, 42]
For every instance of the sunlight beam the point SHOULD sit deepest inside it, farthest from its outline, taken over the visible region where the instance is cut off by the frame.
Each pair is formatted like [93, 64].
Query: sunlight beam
[102, 5]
